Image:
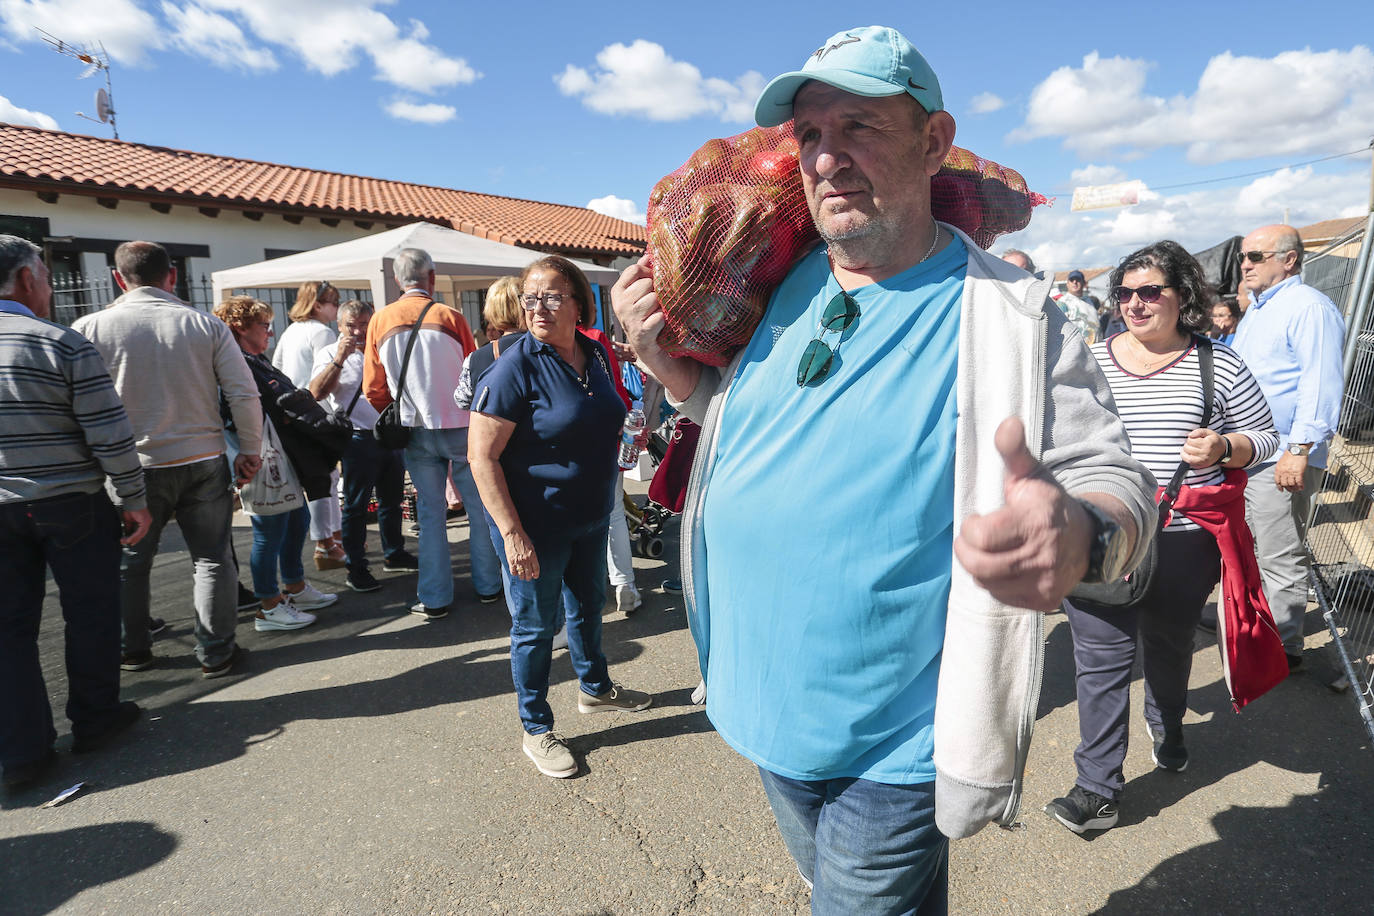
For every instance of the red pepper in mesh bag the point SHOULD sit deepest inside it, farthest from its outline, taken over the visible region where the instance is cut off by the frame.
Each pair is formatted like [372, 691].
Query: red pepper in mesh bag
[725, 228]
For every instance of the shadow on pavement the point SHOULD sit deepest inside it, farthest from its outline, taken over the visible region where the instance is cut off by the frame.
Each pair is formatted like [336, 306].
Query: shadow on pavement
[1301, 858]
[54, 867]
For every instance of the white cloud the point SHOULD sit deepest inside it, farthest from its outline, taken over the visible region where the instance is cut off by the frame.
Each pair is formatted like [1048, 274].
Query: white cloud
[127, 30]
[13, 114]
[640, 79]
[618, 207]
[330, 36]
[1058, 238]
[986, 103]
[1295, 102]
[1096, 174]
[199, 32]
[431, 113]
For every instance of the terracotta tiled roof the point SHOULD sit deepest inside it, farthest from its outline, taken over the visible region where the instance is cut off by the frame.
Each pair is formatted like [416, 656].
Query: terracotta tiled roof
[38, 159]
[1328, 229]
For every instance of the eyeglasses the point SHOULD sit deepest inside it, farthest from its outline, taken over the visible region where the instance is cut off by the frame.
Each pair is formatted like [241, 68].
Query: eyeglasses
[1254, 257]
[550, 301]
[816, 359]
[1148, 293]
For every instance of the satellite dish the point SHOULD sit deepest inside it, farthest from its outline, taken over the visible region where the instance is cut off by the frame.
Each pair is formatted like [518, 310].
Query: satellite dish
[103, 111]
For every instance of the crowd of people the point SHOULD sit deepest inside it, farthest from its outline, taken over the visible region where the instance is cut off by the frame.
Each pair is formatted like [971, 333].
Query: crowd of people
[1004, 447]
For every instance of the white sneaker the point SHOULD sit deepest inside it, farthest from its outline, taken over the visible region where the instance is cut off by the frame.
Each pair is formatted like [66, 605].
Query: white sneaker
[560, 639]
[285, 616]
[627, 599]
[310, 598]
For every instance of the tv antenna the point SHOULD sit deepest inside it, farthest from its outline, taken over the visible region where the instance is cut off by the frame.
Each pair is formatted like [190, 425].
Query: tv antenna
[96, 62]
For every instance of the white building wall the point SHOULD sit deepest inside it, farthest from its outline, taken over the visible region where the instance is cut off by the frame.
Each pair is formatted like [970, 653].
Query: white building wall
[233, 239]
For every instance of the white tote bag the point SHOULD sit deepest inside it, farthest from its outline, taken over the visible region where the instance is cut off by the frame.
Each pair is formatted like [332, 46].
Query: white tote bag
[275, 488]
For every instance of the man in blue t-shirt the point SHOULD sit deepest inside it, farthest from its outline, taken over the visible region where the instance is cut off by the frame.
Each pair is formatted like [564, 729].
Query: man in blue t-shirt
[848, 458]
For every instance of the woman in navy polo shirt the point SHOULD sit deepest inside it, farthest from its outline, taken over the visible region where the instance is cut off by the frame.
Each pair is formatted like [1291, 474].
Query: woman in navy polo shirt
[545, 426]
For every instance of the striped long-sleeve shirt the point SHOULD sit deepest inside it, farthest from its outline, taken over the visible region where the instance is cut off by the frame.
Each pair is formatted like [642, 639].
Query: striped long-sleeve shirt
[62, 427]
[1162, 408]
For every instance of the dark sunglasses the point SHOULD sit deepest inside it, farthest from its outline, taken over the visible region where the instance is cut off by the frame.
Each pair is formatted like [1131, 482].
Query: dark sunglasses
[816, 359]
[1254, 257]
[1149, 293]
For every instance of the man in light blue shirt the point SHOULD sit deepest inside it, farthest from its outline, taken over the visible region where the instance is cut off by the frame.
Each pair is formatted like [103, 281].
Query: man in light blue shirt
[1292, 339]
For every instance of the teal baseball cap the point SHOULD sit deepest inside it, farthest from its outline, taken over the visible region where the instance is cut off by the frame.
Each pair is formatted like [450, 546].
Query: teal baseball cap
[873, 61]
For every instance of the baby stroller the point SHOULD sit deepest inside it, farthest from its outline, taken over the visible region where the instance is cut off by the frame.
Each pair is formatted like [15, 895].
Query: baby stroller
[671, 448]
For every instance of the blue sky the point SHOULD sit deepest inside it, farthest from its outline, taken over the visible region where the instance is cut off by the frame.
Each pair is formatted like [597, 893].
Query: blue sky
[580, 103]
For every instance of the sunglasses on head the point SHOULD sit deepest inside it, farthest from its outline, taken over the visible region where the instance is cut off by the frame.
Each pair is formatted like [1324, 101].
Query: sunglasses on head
[1148, 293]
[818, 356]
[1254, 257]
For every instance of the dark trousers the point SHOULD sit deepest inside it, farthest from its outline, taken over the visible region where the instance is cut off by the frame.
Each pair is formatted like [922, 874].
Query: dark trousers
[368, 466]
[1104, 651]
[77, 537]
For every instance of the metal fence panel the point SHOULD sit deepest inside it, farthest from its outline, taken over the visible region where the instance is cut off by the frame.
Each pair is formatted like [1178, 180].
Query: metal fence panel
[1340, 533]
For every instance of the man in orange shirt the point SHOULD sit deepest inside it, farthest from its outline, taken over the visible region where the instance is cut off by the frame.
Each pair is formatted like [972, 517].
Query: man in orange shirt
[439, 429]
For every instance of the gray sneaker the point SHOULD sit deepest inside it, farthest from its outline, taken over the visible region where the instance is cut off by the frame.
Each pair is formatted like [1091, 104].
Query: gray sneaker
[550, 755]
[617, 699]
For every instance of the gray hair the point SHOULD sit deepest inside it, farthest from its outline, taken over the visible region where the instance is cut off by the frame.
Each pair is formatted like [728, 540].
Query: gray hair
[1013, 252]
[412, 266]
[1289, 240]
[15, 255]
[353, 308]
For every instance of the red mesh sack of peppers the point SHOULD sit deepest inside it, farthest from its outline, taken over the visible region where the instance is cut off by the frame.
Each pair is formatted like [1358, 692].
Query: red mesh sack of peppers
[726, 226]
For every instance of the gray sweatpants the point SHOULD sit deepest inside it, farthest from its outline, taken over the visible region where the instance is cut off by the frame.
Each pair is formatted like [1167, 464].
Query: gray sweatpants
[1278, 520]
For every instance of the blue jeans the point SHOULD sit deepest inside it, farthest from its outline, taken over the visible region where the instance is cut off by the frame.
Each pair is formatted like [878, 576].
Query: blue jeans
[864, 847]
[76, 536]
[368, 466]
[197, 495]
[278, 541]
[576, 560]
[429, 457]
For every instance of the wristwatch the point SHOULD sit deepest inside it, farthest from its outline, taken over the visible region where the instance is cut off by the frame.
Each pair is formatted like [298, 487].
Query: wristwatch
[1107, 551]
[1299, 450]
[1226, 455]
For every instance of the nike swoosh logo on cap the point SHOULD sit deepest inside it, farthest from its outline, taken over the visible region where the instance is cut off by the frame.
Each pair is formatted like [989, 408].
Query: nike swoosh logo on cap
[914, 85]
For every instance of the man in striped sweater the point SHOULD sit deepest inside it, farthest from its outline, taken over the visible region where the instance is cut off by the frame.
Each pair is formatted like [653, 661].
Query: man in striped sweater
[63, 431]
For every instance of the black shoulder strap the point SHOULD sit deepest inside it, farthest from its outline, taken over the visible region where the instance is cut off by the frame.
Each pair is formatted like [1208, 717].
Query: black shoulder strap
[410, 346]
[1207, 369]
[354, 403]
[1209, 378]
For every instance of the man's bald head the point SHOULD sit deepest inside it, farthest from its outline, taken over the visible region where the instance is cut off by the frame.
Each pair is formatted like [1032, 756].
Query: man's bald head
[1280, 250]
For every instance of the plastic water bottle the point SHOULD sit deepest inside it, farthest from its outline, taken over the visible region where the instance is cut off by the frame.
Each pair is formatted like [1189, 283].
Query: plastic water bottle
[634, 425]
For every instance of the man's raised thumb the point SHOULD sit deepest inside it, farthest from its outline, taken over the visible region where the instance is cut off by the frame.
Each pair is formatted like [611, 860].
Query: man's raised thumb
[1010, 440]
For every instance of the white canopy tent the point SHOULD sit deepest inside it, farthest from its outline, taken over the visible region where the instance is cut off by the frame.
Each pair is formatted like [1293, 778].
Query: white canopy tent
[461, 261]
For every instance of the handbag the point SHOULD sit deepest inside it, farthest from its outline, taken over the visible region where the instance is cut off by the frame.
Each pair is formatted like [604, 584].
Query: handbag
[326, 429]
[275, 488]
[389, 431]
[1129, 590]
[669, 486]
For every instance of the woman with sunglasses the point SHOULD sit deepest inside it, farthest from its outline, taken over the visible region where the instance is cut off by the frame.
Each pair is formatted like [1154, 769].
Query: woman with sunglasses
[542, 445]
[1155, 376]
[316, 308]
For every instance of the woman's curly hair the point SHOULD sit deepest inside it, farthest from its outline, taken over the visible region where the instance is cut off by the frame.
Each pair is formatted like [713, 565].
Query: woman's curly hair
[1182, 272]
[242, 312]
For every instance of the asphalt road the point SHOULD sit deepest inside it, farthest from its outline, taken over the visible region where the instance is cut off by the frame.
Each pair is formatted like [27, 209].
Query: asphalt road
[372, 764]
